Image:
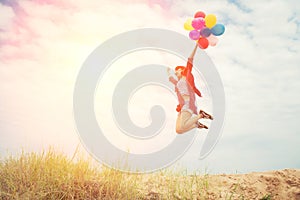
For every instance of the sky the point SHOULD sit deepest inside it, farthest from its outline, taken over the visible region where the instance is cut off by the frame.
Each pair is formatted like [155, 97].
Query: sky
[43, 44]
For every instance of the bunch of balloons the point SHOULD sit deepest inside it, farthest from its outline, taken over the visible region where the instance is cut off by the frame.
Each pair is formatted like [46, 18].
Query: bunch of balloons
[204, 29]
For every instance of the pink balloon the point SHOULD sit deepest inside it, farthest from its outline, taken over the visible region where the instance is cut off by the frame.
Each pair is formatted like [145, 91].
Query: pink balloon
[212, 40]
[198, 23]
[194, 34]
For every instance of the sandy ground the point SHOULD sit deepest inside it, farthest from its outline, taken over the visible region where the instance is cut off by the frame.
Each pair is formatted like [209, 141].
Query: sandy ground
[281, 185]
[284, 184]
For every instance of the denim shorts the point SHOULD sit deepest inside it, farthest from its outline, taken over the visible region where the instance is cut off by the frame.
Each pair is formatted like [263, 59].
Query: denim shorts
[186, 107]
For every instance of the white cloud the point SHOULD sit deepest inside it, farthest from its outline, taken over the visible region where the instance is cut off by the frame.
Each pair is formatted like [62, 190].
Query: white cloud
[42, 55]
[257, 58]
[6, 16]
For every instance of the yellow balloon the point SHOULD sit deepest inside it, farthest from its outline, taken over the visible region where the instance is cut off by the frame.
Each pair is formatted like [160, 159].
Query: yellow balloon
[188, 24]
[210, 20]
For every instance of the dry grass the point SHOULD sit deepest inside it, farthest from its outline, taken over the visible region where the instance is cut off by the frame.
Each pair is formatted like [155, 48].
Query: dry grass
[52, 175]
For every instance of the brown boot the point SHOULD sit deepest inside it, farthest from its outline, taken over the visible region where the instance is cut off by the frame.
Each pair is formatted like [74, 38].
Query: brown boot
[199, 125]
[205, 115]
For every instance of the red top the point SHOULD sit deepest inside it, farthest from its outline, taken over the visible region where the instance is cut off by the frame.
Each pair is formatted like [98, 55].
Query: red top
[191, 87]
[189, 76]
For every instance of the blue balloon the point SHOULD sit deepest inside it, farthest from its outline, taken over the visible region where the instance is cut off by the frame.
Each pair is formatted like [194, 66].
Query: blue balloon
[205, 32]
[218, 29]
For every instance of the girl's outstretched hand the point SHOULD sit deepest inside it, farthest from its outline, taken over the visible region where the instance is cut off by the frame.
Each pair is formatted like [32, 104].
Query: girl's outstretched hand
[169, 71]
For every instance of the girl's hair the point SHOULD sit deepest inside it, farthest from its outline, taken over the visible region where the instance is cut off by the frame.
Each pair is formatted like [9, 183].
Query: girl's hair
[182, 68]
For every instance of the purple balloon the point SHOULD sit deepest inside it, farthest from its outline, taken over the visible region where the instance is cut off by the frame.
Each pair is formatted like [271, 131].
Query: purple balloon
[205, 32]
[198, 23]
[194, 34]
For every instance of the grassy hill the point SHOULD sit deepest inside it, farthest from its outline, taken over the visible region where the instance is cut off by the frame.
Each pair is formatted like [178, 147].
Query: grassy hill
[51, 175]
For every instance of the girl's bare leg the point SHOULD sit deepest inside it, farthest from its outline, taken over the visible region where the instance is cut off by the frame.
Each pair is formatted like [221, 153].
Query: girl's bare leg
[186, 122]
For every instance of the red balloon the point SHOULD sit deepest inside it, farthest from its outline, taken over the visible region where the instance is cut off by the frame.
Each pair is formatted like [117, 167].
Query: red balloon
[203, 43]
[199, 14]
